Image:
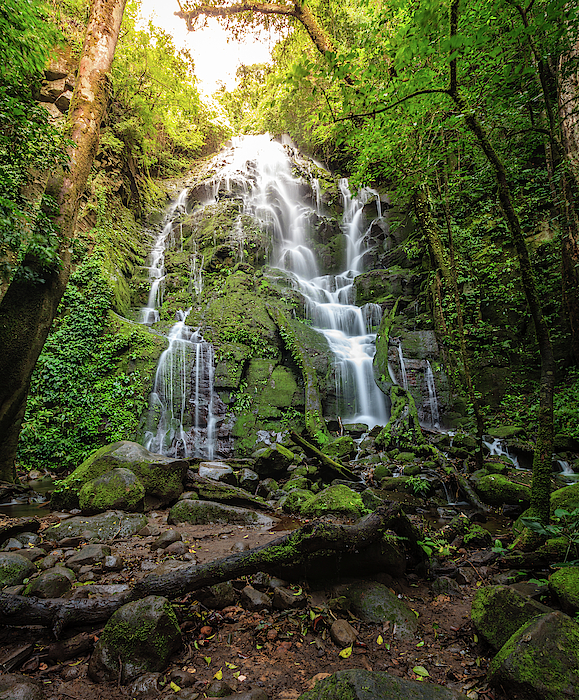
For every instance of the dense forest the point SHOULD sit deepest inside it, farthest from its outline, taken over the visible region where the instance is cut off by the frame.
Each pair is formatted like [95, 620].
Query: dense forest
[364, 257]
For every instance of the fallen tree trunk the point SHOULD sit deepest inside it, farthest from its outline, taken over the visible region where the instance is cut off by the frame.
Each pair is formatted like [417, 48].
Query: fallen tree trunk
[317, 547]
[338, 470]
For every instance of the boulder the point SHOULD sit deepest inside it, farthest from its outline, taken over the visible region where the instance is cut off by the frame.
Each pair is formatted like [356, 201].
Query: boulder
[14, 568]
[52, 583]
[113, 523]
[342, 447]
[334, 499]
[203, 512]
[541, 660]
[162, 477]
[273, 460]
[359, 684]
[218, 471]
[87, 555]
[248, 480]
[14, 686]
[499, 611]
[564, 584]
[497, 490]
[375, 602]
[566, 498]
[139, 638]
[118, 489]
[295, 500]
[342, 633]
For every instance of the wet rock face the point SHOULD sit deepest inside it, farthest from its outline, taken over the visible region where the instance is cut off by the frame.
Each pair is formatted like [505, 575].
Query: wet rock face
[139, 638]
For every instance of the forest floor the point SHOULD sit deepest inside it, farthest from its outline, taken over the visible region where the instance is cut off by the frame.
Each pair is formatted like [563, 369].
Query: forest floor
[282, 652]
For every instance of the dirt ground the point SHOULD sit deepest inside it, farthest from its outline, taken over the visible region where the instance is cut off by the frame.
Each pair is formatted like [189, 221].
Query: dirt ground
[284, 651]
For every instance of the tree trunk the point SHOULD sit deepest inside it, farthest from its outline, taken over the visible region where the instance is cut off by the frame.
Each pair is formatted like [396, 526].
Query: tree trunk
[28, 308]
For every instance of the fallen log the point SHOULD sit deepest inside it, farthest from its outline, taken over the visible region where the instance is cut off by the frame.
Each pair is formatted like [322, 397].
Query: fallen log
[317, 547]
[338, 470]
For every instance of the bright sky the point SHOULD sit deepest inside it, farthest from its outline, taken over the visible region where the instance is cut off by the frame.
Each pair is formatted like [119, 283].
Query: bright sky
[216, 59]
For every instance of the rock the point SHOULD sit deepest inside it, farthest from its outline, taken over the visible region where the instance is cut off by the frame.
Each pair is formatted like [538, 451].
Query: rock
[14, 568]
[375, 602]
[566, 498]
[335, 499]
[218, 471]
[204, 512]
[499, 611]
[167, 538]
[113, 523]
[564, 584]
[177, 549]
[185, 694]
[478, 537]
[253, 694]
[28, 538]
[295, 500]
[113, 563]
[221, 596]
[446, 586]
[50, 584]
[541, 660]
[14, 686]
[140, 636]
[497, 490]
[145, 686]
[284, 599]
[161, 477]
[342, 447]
[87, 555]
[183, 679]
[254, 599]
[358, 684]
[267, 487]
[218, 689]
[12, 545]
[342, 633]
[63, 101]
[32, 553]
[249, 480]
[118, 489]
[273, 460]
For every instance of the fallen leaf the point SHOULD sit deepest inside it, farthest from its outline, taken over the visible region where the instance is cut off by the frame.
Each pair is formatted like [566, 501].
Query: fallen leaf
[219, 675]
[207, 659]
[420, 671]
[380, 640]
[174, 687]
[346, 653]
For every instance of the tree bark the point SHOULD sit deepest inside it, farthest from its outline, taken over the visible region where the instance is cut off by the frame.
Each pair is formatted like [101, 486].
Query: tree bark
[28, 308]
[318, 549]
[297, 10]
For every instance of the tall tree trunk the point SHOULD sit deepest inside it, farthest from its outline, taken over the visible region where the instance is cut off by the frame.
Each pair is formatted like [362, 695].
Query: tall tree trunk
[28, 308]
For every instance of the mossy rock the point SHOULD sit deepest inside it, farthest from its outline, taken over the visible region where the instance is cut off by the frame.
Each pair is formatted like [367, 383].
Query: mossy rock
[564, 584]
[478, 537]
[273, 460]
[297, 482]
[52, 583]
[341, 447]
[205, 512]
[140, 637]
[161, 477]
[295, 500]
[506, 431]
[540, 661]
[496, 467]
[497, 490]
[396, 483]
[337, 499]
[118, 489]
[499, 611]
[382, 471]
[566, 498]
[14, 568]
[102, 527]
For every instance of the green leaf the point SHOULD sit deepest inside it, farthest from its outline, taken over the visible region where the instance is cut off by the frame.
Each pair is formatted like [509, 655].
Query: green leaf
[346, 653]
[420, 671]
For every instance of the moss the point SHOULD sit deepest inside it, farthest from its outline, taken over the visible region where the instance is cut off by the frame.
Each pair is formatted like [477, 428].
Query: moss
[566, 498]
[335, 499]
[116, 489]
[564, 584]
[296, 500]
[496, 490]
[403, 428]
[341, 447]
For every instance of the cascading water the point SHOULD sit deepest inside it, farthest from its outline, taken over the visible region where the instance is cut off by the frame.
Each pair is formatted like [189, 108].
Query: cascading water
[433, 401]
[181, 419]
[261, 169]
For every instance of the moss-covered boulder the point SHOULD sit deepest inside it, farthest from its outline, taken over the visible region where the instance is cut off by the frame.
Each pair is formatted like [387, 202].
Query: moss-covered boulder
[566, 498]
[139, 638]
[499, 611]
[375, 602]
[403, 428]
[497, 490]
[541, 660]
[359, 684]
[102, 527]
[273, 460]
[161, 477]
[295, 500]
[118, 489]
[204, 512]
[14, 568]
[564, 584]
[51, 583]
[342, 447]
[338, 499]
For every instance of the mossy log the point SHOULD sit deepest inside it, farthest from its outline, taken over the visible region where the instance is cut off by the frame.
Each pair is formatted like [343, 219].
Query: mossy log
[327, 546]
[338, 470]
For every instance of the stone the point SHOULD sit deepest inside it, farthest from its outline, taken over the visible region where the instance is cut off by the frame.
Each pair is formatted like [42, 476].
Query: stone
[334, 499]
[446, 586]
[342, 447]
[63, 101]
[162, 477]
[497, 490]
[140, 637]
[183, 679]
[204, 512]
[50, 584]
[375, 602]
[177, 549]
[541, 660]
[165, 539]
[12, 545]
[566, 498]
[218, 471]
[359, 684]
[14, 568]
[14, 686]
[145, 686]
[87, 555]
[248, 480]
[32, 553]
[28, 538]
[218, 689]
[273, 460]
[284, 599]
[113, 523]
[254, 599]
[267, 487]
[221, 596]
[118, 489]
[295, 500]
[499, 611]
[564, 584]
[342, 633]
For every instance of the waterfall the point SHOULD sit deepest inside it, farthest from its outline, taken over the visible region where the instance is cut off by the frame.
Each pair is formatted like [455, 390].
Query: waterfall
[403, 374]
[495, 448]
[433, 401]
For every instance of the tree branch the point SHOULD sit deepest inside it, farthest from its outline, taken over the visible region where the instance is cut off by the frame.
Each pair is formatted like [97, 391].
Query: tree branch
[374, 112]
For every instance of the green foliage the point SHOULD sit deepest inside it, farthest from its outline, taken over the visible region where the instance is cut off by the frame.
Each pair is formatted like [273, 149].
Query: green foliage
[430, 544]
[564, 524]
[419, 486]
